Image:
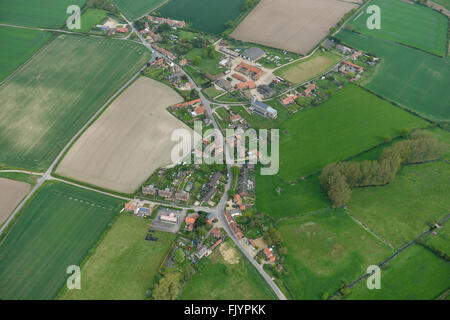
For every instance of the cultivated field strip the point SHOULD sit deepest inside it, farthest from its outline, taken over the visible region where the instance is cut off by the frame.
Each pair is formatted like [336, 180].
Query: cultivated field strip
[44, 105]
[291, 25]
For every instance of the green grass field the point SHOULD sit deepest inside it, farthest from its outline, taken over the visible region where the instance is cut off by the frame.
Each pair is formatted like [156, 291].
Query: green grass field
[42, 13]
[351, 121]
[407, 23]
[207, 65]
[415, 274]
[324, 250]
[56, 229]
[417, 196]
[301, 71]
[439, 241]
[133, 9]
[18, 45]
[45, 104]
[212, 283]
[278, 199]
[90, 18]
[204, 15]
[124, 264]
[423, 88]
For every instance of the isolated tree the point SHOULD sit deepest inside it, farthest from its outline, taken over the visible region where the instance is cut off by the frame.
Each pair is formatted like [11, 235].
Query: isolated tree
[178, 256]
[168, 288]
[197, 60]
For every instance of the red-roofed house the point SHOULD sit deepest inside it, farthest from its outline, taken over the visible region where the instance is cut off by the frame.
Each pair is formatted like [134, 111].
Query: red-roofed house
[235, 118]
[130, 207]
[246, 85]
[237, 199]
[269, 255]
[185, 104]
[239, 77]
[199, 111]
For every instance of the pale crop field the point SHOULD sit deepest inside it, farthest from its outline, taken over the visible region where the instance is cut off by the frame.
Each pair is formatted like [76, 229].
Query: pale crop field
[291, 25]
[11, 192]
[45, 104]
[129, 141]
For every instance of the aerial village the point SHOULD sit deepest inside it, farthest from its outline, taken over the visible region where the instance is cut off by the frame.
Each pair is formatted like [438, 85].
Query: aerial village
[246, 76]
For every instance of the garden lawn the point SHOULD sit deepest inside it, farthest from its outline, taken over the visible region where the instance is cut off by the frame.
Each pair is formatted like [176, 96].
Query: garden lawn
[55, 230]
[124, 264]
[351, 121]
[18, 45]
[422, 88]
[415, 274]
[212, 282]
[92, 17]
[402, 210]
[204, 15]
[42, 13]
[303, 70]
[324, 250]
[134, 9]
[411, 24]
[45, 104]
[207, 65]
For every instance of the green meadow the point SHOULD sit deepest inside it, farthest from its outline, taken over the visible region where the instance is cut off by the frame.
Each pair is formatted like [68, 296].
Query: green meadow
[90, 18]
[415, 274]
[204, 15]
[411, 24]
[324, 250]
[351, 121]
[46, 104]
[18, 45]
[124, 264]
[406, 207]
[213, 282]
[55, 230]
[42, 13]
[278, 199]
[407, 76]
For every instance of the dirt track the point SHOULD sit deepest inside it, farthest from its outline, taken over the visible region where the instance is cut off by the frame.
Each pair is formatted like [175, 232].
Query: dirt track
[11, 192]
[292, 25]
[128, 142]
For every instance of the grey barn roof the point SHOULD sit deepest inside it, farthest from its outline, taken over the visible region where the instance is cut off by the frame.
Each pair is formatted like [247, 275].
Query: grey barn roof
[253, 53]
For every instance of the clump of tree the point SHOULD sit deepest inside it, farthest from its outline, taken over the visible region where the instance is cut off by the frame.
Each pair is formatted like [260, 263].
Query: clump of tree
[103, 5]
[337, 179]
[168, 287]
[272, 237]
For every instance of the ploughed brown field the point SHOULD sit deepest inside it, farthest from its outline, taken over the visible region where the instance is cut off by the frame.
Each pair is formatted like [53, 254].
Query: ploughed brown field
[11, 192]
[291, 25]
[130, 140]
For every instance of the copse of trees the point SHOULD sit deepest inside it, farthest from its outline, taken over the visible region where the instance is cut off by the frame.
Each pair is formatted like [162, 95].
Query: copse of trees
[103, 5]
[337, 179]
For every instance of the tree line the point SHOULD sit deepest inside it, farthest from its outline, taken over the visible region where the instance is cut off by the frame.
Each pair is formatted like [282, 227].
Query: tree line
[337, 179]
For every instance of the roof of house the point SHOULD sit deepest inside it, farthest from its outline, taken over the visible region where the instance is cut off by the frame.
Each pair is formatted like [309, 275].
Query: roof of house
[235, 117]
[253, 54]
[200, 110]
[239, 77]
[353, 65]
[181, 105]
[246, 85]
